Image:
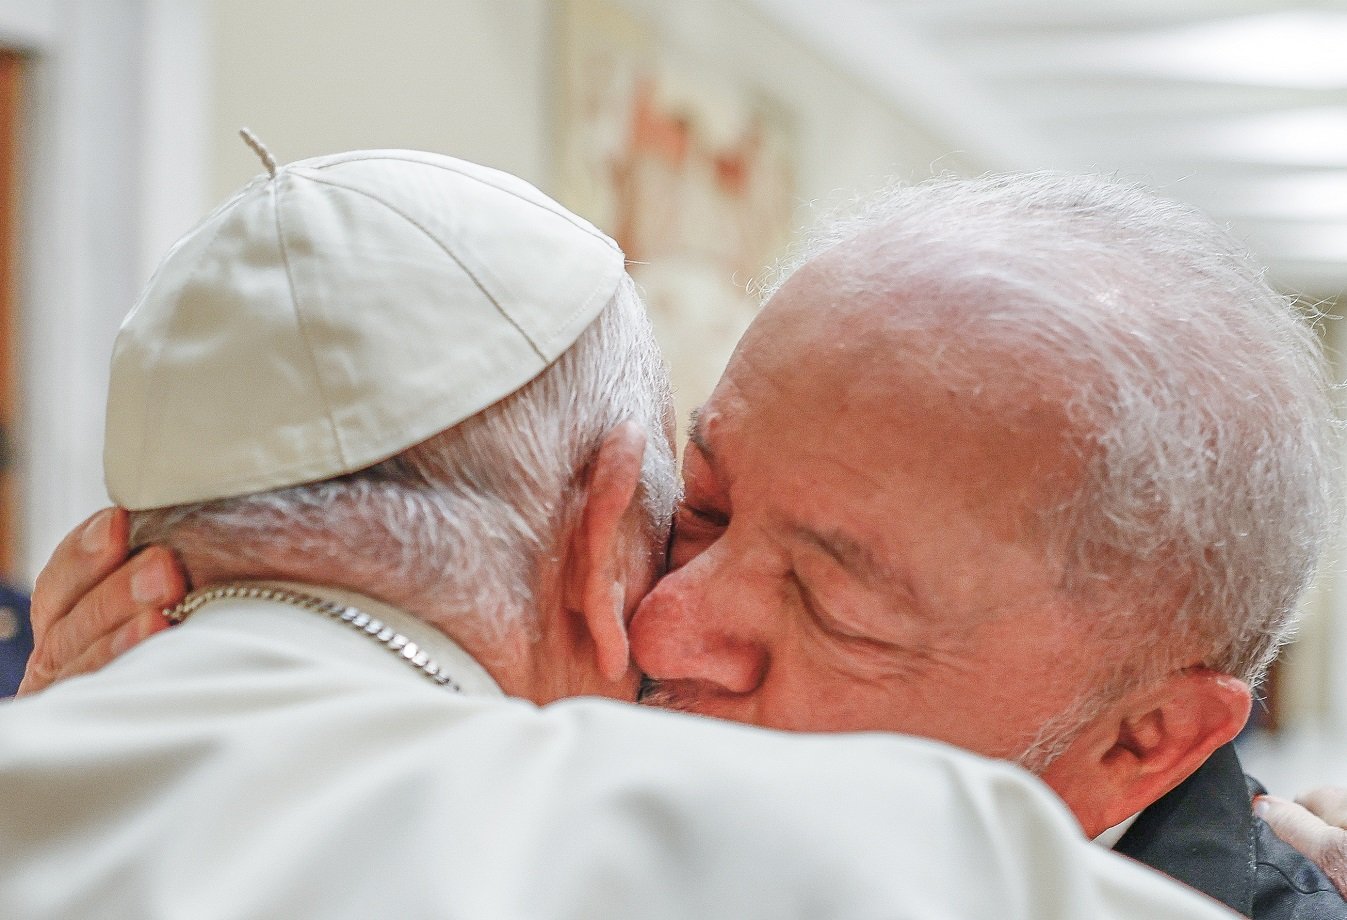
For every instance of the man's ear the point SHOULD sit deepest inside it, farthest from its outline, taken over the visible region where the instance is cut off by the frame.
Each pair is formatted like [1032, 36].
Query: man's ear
[1146, 744]
[601, 570]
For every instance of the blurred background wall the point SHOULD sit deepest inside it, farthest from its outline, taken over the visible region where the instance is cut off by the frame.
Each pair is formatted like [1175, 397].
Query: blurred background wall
[703, 134]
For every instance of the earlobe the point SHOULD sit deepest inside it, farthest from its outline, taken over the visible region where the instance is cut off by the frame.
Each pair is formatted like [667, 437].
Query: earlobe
[612, 650]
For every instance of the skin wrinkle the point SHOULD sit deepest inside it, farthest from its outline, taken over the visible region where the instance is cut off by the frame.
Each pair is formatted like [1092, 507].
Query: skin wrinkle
[713, 488]
[863, 475]
[855, 557]
[901, 658]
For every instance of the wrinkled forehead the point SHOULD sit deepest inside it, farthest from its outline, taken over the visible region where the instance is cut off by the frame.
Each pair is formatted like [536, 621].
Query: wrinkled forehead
[894, 405]
[842, 335]
[902, 390]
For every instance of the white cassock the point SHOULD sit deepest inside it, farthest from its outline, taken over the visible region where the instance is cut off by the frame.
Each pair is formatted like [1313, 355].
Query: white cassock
[262, 761]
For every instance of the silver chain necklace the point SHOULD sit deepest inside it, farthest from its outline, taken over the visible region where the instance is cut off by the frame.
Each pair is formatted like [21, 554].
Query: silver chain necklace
[357, 619]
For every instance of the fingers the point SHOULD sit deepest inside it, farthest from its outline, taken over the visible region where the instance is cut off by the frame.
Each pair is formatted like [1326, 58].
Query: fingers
[1323, 843]
[118, 611]
[84, 558]
[103, 650]
[1328, 802]
[1293, 823]
[112, 644]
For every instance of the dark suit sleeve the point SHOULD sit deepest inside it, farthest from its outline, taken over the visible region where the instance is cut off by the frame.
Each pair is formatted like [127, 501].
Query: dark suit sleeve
[1204, 834]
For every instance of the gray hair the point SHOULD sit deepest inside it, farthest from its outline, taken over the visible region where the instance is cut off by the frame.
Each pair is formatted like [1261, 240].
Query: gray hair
[469, 516]
[1197, 396]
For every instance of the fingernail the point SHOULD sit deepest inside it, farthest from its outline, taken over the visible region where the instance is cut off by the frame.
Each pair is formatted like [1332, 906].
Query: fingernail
[95, 535]
[1261, 807]
[148, 586]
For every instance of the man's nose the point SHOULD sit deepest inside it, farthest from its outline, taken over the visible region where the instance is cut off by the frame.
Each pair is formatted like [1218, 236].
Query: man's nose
[680, 633]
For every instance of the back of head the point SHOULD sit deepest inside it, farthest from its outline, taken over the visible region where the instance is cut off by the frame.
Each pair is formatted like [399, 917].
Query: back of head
[381, 367]
[1195, 395]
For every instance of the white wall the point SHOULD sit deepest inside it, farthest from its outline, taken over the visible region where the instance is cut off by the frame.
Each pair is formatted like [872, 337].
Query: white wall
[474, 78]
[463, 77]
[109, 176]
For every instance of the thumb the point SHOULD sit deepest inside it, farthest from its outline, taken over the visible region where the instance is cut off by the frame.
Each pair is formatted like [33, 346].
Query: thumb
[1321, 842]
[1293, 823]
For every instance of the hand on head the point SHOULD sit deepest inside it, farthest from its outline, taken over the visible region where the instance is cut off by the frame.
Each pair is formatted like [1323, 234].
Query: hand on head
[93, 601]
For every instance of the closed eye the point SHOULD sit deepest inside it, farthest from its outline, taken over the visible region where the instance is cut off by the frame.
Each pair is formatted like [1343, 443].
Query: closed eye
[706, 516]
[694, 529]
[833, 625]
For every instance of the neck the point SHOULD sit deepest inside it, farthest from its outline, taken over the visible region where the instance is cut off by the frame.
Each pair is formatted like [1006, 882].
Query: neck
[507, 654]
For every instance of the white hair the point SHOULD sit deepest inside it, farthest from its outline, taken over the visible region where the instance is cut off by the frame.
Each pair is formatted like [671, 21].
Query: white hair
[469, 516]
[1196, 396]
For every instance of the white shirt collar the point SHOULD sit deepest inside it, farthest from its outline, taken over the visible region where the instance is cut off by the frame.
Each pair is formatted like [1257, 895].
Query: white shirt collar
[1109, 838]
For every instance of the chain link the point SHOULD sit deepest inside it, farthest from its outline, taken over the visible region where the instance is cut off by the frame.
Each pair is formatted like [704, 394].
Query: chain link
[353, 617]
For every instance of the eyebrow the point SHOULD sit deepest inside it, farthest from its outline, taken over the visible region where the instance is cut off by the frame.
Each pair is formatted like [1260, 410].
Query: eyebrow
[848, 553]
[851, 554]
[856, 558]
[697, 438]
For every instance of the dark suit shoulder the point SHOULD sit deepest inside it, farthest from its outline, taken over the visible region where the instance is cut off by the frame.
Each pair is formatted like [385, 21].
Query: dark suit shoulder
[1287, 885]
[1204, 834]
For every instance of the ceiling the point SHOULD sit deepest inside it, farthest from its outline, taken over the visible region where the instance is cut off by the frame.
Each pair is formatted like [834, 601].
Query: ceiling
[1238, 106]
